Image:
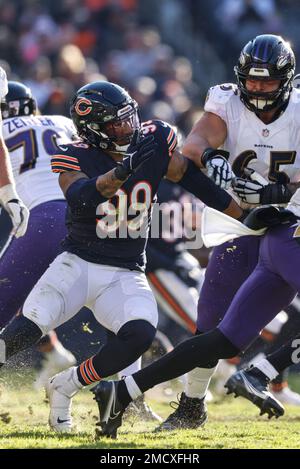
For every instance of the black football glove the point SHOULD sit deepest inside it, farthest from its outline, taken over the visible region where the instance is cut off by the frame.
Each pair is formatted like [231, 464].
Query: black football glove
[139, 151]
[268, 216]
[218, 168]
[257, 191]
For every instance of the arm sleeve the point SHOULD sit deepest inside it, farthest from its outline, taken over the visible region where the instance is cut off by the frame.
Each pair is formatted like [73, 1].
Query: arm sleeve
[84, 194]
[195, 181]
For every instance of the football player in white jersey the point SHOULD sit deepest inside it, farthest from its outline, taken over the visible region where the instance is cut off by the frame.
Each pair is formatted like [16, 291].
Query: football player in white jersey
[30, 139]
[9, 198]
[257, 121]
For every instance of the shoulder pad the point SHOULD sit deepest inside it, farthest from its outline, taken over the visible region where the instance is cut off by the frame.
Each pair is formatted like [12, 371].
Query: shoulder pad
[66, 158]
[221, 94]
[167, 132]
[295, 100]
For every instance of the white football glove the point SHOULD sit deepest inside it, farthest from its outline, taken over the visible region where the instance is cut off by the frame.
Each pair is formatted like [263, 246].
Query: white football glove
[17, 211]
[249, 190]
[218, 168]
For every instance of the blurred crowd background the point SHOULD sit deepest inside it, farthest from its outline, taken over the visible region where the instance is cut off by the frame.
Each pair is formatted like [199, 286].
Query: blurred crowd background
[166, 53]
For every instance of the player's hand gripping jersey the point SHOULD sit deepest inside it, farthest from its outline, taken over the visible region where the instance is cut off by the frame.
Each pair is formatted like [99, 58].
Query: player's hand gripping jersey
[31, 140]
[92, 233]
[272, 150]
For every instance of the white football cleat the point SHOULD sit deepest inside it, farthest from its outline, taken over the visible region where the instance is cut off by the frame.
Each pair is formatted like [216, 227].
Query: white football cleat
[287, 396]
[55, 361]
[60, 389]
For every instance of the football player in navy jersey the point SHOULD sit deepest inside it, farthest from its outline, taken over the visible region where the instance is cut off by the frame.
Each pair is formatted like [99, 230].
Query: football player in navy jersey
[109, 178]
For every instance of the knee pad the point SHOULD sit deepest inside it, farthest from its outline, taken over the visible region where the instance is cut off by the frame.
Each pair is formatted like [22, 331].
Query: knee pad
[139, 335]
[44, 306]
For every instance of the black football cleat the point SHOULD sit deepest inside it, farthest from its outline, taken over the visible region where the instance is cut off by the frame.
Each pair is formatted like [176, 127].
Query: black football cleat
[191, 413]
[110, 408]
[254, 386]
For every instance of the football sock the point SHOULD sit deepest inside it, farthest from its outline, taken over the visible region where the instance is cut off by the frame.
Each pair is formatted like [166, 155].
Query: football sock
[287, 355]
[197, 381]
[133, 368]
[266, 368]
[197, 351]
[19, 334]
[132, 340]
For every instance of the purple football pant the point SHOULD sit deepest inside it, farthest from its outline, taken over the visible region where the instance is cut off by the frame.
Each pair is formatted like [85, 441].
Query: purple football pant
[228, 268]
[26, 259]
[270, 288]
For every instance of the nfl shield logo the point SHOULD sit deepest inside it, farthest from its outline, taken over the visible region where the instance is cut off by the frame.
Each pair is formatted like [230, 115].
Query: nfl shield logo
[265, 132]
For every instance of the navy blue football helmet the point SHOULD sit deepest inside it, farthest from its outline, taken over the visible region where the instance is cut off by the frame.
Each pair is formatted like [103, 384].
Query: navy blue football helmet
[105, 116]
[18, 101]
[267, 57]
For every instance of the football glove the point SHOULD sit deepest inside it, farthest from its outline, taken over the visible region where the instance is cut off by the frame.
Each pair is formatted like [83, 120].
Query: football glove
[138, 152]
[268, 216]
[218, 168]
[256, 190]
[17, 211]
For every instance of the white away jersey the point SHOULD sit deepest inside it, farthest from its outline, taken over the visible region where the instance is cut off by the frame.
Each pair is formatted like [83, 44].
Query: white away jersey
[31, 140]
[273, 150]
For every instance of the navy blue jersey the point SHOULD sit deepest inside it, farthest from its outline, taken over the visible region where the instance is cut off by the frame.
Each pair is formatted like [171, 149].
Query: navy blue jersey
[89, 235]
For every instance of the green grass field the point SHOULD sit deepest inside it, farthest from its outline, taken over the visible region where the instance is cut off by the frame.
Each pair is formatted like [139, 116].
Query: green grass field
[233, 423]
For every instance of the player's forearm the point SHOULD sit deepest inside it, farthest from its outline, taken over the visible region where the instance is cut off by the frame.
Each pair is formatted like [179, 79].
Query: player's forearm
[83, 192]
[194, 148]
[108, 184]
[208, 132]
[6, 176]
[208, 192]
[234, 210]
